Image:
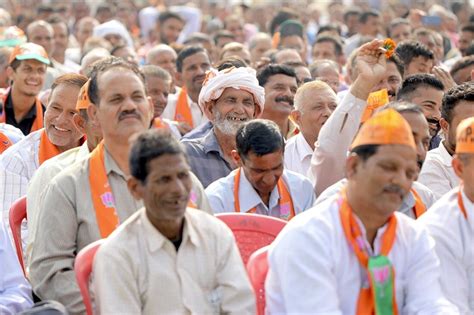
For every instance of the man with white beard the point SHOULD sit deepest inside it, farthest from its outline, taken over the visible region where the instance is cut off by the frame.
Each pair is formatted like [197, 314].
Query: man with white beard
[228, 98]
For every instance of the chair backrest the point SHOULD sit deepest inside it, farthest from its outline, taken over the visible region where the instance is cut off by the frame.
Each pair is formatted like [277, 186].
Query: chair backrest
[252, 231]
[16, 215]
[257, 268]
[83, 268]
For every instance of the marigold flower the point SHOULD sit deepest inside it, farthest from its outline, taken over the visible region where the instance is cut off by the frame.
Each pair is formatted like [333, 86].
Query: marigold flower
[389, 45]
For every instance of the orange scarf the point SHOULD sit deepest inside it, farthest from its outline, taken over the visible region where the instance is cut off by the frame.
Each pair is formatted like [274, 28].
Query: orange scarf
[37, 124]
[366, 300]
[287, 211]
[183, 112]
[102, 196]
[5, 142]
[461, 203]
[47, 149]
[419, 208]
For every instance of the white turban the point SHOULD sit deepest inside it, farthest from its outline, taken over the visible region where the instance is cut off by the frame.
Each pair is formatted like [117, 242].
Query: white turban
[113, 27]
[243, 78]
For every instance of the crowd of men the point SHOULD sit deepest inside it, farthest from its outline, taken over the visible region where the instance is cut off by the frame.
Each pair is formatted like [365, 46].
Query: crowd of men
[138, 124]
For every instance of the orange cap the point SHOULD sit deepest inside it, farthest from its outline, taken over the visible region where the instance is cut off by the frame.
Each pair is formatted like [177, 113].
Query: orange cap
[465, 136]
[29, 51]
[375, 100]
[385, 127]
[83, 100]
[5, 142]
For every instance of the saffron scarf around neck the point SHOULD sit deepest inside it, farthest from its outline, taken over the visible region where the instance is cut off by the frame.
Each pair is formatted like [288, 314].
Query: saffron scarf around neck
[461, 202]
[47, 149]
[379, 297]
[183, 111]
[38, 122]
[287, 211]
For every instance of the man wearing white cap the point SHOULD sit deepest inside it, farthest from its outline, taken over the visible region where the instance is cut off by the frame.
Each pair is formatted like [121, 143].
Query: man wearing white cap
[229, 98]
[451, 223]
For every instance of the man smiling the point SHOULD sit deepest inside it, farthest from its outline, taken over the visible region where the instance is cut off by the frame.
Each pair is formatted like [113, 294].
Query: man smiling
[229, 98]
[19, 163]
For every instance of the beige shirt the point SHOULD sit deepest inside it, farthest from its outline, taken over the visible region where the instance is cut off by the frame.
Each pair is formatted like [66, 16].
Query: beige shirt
[138, 270]
[67, 207]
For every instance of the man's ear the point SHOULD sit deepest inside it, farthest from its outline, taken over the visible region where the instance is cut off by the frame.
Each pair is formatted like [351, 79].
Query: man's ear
[444, 125]
[80, 122]
[457, 166]
[92, 114]
[151, 108]
[178, 79]
[236, 157]
[208, 110]
[135, 187]
[352, 163]
[296, 115]
[10, 72]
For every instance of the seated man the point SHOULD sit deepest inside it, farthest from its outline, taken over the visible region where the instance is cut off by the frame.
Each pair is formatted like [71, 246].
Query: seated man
[261, 184]
[450, 222]
[354, 253]
[229, 98]
[15, 291]
[437, 172]
[314, 103]
[60, 133]
[167, 258]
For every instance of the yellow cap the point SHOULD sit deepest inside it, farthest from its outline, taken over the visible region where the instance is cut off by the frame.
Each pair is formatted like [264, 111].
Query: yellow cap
[385, 127]
[83, 100]
[465, 136]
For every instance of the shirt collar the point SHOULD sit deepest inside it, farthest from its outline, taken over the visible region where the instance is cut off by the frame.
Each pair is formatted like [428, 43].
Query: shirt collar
[111, 165]
[446, 158]
[210, 144]
[156, 240]
[252, 198]
[302, 146]
[31, 113]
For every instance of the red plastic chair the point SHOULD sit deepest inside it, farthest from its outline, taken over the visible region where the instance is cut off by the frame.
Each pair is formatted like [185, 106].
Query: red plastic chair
[252, 231]
[257, 268]
[16, 215]
[83, 268]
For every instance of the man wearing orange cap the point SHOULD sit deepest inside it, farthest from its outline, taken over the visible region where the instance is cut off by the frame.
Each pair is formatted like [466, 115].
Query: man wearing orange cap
[60, 133]
[354, 253]
[20, 105]
[9, 135]
[88, 200]
[451, 223]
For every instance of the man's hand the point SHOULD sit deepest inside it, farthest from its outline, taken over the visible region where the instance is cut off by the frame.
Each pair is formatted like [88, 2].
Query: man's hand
[371, 65]
[184, 128]
[444, 77]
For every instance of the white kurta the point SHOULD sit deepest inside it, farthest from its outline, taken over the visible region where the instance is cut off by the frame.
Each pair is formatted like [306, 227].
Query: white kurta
[454, 237]
[313, 269]
[298, 155]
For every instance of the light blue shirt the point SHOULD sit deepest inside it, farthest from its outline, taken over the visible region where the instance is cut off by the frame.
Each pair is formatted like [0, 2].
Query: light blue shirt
[15, 291]
[221, 194]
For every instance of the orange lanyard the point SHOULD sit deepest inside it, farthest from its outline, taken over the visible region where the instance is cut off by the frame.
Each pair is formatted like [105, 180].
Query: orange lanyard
[419, 208]
[159, 123]
[183, 112]
[461, 203]
[353, 234]
[287, 211]
[5, 142]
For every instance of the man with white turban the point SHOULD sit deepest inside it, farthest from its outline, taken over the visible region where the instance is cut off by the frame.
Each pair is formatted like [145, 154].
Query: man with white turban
[228, 98]
[115, 32]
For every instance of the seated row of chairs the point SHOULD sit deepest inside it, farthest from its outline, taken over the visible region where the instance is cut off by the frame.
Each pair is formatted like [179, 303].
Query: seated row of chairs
[253, 234]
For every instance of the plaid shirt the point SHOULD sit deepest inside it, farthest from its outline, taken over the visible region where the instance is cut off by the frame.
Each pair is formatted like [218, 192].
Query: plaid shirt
[206, 158]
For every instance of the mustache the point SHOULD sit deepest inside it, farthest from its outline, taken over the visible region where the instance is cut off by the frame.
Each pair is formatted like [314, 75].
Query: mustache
[395, 189]
[284, 99]
[129, 113]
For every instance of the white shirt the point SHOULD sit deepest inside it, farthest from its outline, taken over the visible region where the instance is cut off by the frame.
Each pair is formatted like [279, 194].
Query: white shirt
[15, 291]
[138, 271]
[17, 165]
[313, 269]
[13, 133]
[426, 196]
[334, 140]
[221, 194]
[454, 237]
[298, 155]
[437, 172]
[170, 110]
